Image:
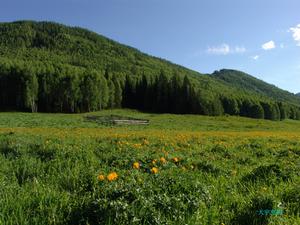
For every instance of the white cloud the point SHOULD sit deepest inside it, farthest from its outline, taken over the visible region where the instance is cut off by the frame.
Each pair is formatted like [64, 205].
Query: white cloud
[225, 49]
[255, 57]
[296, 33]
[268, 45]
[238, 49]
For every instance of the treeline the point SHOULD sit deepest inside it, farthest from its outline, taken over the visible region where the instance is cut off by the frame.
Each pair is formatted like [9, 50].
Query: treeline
[49, 67]
[175, 95]
[50, 87]
[56, 88]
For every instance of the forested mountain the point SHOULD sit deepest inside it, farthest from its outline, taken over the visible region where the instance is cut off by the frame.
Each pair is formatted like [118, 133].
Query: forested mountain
[298, 94]
[247, 82]
[50, 67]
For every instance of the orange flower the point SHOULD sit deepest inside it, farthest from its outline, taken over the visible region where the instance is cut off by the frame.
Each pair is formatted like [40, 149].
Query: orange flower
[163, 160]
[112, 176]
[154, 170]
[175, 159]
[145, 142]
[136, 165]
[101, 177]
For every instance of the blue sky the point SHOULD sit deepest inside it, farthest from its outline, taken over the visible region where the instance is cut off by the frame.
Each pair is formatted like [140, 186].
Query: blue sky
[260, 37]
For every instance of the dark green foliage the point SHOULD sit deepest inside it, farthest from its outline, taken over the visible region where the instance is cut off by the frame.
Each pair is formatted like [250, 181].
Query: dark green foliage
[246, 82]
[283, 111]
[50, 67]
[117, 92]
[291, 198]
[130, 94]
[251, 213]
[266, 174]
[272, 111]
[252, 109]
[230, 105]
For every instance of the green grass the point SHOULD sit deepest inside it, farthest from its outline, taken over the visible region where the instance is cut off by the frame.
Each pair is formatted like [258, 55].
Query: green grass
[228, 169]
[157, 121]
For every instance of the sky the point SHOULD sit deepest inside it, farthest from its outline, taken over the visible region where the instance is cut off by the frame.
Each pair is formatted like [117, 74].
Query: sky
[259, 37]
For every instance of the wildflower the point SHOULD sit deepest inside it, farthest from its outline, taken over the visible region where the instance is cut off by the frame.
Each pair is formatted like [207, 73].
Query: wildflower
[154, 161]
[175, 159]
[233, 172]
[136, 165]
[101, 177]
[145, 142]
[137, 146]
[112, 176]
[264, 189]
[154, 170]
[163, 160]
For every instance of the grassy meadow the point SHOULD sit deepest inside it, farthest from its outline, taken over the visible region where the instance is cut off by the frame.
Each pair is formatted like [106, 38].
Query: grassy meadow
[179, 169]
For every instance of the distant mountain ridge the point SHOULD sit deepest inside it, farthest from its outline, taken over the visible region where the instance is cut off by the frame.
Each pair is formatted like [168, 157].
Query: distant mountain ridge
[50, 67]
[247, 82]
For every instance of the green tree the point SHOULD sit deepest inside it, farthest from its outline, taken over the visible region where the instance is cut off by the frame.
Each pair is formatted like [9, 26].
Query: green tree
[31, 92]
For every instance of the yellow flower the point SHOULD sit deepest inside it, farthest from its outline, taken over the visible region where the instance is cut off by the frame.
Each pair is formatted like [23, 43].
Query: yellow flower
[145, 142]
[101, 177]
[163, 160]
[137, 145]
[136, 165]
[264, 189]
[154, 170]
[154, 161]
[112, 176]
[233, 172]
[175, 159]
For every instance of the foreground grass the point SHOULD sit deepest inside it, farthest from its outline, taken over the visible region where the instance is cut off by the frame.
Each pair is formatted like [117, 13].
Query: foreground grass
[54, 170]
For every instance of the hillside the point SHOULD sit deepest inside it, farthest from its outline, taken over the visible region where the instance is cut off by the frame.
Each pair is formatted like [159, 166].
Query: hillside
[298, 94]
[247, 82]
[49, 67]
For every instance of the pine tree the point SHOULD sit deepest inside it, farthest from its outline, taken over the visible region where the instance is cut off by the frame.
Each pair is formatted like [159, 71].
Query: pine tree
[111, 94]
[117, 93]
